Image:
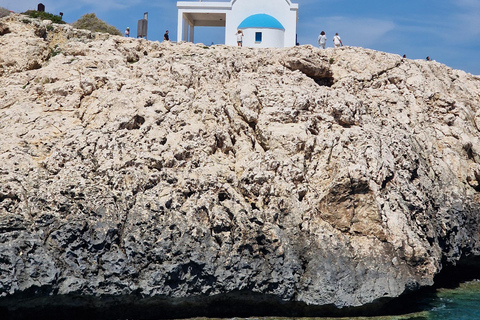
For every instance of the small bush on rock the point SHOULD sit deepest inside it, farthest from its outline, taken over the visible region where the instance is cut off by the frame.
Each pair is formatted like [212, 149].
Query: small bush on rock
[44, 16]
[90, 22]
[55, 51]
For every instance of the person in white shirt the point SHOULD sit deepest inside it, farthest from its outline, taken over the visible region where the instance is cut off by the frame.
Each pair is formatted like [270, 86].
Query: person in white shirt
[322, 40]
[240, 38]
[337, 41]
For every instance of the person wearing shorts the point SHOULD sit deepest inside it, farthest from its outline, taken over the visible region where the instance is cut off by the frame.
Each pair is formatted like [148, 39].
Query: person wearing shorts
[240, 38]
[337, 41]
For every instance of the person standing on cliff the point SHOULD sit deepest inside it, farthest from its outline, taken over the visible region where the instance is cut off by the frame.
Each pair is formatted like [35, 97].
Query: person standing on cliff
[127, 32]
[240, 38]
[166, 37]
[322, 40]
[337, 41]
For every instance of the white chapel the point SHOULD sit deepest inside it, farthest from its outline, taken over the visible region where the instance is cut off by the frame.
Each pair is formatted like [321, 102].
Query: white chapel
[264, 23]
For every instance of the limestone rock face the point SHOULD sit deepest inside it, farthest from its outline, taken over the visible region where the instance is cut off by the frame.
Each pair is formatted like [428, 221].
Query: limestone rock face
[131, 168]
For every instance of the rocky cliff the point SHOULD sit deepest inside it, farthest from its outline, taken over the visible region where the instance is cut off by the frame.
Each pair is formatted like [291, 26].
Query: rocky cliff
[185, 180]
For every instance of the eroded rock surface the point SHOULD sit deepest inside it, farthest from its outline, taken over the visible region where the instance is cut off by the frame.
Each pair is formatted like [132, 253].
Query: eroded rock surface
[153, 170]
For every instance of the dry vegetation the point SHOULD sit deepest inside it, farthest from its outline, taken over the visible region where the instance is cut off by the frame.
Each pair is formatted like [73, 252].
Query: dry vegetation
[4, 12]
[90, 22]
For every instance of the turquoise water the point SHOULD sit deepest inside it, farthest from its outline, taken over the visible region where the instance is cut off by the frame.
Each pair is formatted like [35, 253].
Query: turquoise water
[461, 303]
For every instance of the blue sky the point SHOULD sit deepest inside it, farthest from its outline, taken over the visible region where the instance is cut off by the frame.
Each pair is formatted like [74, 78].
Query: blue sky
[446, 30]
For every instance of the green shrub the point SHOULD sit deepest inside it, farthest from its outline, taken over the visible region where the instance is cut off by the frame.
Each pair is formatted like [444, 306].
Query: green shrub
[44, 16]
[4, 12]
[90, 22]
[55, 51]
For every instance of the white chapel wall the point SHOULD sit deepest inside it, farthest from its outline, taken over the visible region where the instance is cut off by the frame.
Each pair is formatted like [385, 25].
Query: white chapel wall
[279, 9]
[271, 38]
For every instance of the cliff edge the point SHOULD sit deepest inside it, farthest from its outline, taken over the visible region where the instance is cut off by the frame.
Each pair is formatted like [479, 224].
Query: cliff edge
[177, 179]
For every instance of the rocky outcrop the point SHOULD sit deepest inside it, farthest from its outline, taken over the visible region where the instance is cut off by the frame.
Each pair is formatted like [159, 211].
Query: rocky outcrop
[183, 177]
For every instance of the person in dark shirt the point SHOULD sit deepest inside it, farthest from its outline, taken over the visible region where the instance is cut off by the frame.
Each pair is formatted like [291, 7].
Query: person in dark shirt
[165, 36]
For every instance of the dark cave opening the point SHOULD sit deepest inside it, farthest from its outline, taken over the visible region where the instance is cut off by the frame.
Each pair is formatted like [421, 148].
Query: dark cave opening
[318, 72]
[467, 269]
[324, 81]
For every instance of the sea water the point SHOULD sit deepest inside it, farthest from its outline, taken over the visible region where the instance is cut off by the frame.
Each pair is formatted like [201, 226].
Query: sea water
[460, 303]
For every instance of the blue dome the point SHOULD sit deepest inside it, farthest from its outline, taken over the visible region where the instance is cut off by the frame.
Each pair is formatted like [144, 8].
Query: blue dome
[261, 20]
